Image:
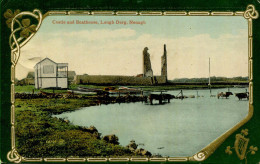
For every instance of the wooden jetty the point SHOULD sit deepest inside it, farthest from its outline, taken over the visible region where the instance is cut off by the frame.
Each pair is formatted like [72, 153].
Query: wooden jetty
[161, 97]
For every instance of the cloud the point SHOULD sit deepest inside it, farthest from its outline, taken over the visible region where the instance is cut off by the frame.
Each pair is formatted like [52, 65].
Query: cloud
[119, 52]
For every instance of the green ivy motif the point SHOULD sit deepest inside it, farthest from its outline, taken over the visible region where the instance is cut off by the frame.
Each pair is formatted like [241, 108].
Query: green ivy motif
[244, 132]
[25, 26]
[228, 150]
[9, 15]
[252, 149]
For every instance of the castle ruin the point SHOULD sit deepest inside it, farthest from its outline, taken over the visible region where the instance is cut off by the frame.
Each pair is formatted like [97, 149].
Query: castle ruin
[147, 78]
[147, 67]
[164, 63]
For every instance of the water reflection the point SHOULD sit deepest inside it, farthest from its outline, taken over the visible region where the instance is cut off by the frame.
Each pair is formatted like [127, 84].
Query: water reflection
[179, 128]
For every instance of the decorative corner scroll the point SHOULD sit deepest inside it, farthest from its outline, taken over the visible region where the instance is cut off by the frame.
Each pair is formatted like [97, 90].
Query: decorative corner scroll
[250, 12]
[13, 156]
[200, 156]
[27, 30]
[241, 145]
[17, 24]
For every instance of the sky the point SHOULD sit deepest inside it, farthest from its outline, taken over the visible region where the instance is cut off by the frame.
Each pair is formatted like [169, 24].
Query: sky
[116, 49]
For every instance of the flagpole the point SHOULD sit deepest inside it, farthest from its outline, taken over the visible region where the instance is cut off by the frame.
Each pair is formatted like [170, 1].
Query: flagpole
[209, 78]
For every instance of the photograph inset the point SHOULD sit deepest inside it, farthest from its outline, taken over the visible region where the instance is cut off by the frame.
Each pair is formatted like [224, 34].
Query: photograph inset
[130, 86]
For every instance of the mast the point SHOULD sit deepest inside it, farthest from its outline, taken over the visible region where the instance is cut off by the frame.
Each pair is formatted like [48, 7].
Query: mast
[209, 78]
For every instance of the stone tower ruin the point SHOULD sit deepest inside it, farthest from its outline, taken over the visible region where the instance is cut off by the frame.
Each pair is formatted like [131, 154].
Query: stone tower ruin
[164, 63]
[147, 66]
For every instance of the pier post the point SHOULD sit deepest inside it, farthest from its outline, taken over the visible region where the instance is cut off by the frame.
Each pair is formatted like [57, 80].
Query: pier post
[160, 100]
[151, 100]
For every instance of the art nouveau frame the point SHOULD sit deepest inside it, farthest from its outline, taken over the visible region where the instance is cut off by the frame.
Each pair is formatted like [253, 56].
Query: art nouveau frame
[16, 44]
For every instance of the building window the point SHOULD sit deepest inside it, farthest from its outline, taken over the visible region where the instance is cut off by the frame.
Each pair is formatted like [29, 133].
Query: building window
[62, 71]
[47, 69]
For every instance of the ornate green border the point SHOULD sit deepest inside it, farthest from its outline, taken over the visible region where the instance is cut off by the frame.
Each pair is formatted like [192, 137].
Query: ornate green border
[16, 44]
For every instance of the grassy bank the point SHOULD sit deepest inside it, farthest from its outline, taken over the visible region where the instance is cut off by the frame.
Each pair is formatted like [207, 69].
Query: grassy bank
[40, 135]
[31, 88]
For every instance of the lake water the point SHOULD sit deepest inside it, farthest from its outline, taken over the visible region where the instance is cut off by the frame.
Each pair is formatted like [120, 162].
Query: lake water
[180, 128]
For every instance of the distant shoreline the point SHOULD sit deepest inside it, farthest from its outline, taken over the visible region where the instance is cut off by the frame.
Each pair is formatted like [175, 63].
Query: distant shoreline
[151, 88]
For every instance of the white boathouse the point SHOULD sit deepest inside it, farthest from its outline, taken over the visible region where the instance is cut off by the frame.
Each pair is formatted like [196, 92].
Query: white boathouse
[49, 74]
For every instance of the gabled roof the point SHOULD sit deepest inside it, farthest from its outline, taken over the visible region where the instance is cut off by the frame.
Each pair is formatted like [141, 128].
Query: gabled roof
[44, 60]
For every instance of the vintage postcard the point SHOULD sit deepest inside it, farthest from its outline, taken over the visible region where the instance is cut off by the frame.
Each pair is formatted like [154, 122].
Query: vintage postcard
[129, 85]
